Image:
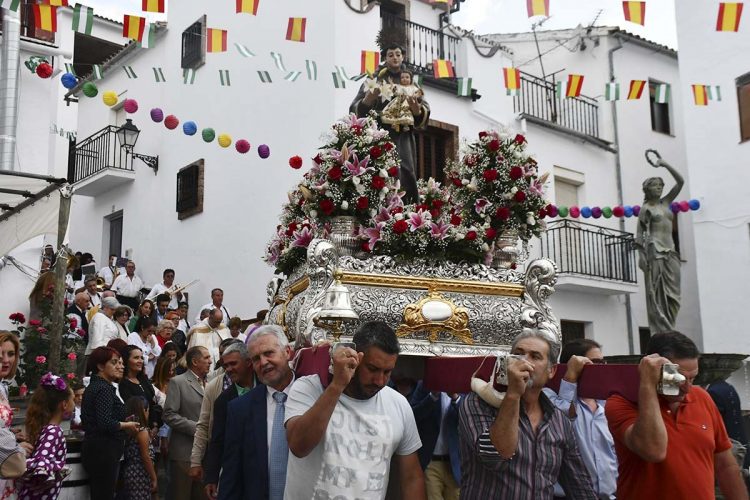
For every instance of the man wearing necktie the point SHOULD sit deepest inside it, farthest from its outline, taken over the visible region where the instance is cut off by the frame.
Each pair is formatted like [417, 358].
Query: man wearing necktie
[255, 446]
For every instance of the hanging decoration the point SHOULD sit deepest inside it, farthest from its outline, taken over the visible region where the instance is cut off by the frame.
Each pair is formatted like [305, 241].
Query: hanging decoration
[225, 140]
[44, 70]
[208, 134]
[110, 98]
[157, 115]
[69, 80]
[607, 212]
[130, 106]
[264, 151]
[189, 128]
[171, 122]
[90, 89]
[295, 30]
[242, 146]
[729, 16]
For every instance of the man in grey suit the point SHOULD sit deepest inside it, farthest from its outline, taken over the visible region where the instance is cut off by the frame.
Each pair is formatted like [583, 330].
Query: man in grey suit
[181, 412]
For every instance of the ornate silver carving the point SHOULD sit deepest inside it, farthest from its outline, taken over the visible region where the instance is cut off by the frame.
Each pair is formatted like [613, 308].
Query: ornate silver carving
[541, 276]
[321, 266]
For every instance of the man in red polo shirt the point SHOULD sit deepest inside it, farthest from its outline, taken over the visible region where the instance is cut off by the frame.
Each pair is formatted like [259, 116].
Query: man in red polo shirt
[671, 447]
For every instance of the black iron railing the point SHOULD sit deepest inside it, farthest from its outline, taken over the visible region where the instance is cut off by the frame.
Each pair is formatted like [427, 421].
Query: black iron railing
[538, 99]
[193, 45]
[423, 44]
[589, 250]
[98, 152]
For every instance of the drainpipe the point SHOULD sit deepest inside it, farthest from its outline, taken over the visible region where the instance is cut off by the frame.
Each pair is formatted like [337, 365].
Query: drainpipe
[10, 51]
[618, 174]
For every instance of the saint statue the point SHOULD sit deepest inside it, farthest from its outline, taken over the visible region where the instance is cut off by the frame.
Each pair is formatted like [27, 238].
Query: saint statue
[658, 258]
[408, 111]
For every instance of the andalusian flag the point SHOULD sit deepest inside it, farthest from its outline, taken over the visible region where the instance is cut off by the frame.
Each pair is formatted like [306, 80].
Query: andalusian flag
[216, 40]
[56, 3]
[575, 83]
[153, 6]
[442, 68]
[133, 27]
[45, 17]
[662, 93]
[295, 30]
[612, 91]
[537, 7]
[636, 89]
[10, 4]
[370, 61]
[635, 12]
[464, 87]
[83, 19]
[700, 95]
[512, 78]
[247, 7]
[714, 92]
[729, 16]
[147, 42]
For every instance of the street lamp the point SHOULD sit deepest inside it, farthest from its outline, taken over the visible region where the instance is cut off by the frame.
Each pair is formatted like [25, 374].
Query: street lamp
[128, 136]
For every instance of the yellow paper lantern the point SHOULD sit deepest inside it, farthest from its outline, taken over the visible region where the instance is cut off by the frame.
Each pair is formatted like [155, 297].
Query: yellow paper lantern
[225, 140]
[110, 98]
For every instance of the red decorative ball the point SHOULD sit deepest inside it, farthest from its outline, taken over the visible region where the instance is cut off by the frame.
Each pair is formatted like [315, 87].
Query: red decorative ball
[44, 70]
[171, 122]
[295, 162]
[242, 146]
[618, 211]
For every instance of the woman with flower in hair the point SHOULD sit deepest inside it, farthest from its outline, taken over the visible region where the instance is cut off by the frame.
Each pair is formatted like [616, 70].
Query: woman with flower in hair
[45, 468]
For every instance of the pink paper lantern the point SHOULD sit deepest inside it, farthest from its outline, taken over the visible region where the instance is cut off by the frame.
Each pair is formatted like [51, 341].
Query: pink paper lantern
[130, 106]
[242, 146]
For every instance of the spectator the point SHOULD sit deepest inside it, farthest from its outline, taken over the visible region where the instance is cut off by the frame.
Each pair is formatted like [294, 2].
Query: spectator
[728, 402]
[10, 350]
[255, 323]
[103, 416]
[147, 342]
[217, 302]
[108, 272]
[95, 298]
[166, 284]
[179, 338]
[121, 317]
[209, 334]
[163, 373]
[524, 447]
[170, 351]
[139, 474]
[164, 332]
[183, 311]
[101, 327]
[162, 306]
[235, 329]
[128, 286]
[146, 309]
[78, 310]
[687, 428]
[75, 420]
[134, 383]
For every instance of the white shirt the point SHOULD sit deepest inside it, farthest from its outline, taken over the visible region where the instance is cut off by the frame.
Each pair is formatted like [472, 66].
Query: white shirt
[108, 274]
[184, 326]
[150, 353]
[101, 331]
[271, 410]
[211, 306]
[441, 445]
[126, 286]
[96, 299]
[161, 288]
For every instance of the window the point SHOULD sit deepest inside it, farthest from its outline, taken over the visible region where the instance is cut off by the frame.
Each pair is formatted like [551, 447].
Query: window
[190, 190]
[194, 45]
[115, 233]
[566, 193]
[660, 121]
[644, 333]
[436, 144]
[572, 330]
[743, 99]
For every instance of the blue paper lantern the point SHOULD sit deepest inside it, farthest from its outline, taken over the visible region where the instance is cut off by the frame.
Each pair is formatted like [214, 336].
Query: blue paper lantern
[694, 204]
[628, 210]
[69, 80]
[189, 128]
[586, 212]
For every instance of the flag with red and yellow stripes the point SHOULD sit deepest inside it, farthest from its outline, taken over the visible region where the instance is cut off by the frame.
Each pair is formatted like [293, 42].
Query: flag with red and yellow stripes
[537, 8]
[216, 40]
[133, 26]
[370, 61]
[575, 84]
[295, 30]
[56, 3]
[442, 68]
[700, 95]
[45, 17]
[729, 16]
[153, 6]
[512, 78]
[636, 89]
[247, 7]
[635, 12]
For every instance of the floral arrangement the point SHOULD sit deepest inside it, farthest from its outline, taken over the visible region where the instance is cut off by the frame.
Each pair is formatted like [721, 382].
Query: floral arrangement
[50, 380]
[288, 248]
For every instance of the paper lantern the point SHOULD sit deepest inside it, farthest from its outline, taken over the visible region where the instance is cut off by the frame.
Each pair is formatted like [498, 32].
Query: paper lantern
[242, 146]
[694, 204]
[171, 122]
[607, 212]
[157, 115]
[627, 210]
[596, 212]
[90, 90]
[674, 207]
[618, 211]
[189, 128]
[575, 212]
[44, 70]
[130, 106]
[110, 98]
[684, 206]
[208, 134]
[264, 151]
[69, 80]
[552, 210]
[225, 140]
[585, 212]
[562, 211]
[636, 210]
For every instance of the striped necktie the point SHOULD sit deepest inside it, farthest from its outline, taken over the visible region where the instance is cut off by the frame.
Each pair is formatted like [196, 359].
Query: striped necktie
[279, 450]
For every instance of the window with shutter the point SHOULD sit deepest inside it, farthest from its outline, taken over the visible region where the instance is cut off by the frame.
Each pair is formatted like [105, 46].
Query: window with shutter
[436, 144]
[194, 45]
[660, 121]
[743, 100]
[190, 190]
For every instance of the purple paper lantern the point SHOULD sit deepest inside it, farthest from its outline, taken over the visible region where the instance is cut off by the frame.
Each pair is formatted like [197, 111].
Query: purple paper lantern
[157, 115]
[264, 151]
[636, 210]
[596, 212]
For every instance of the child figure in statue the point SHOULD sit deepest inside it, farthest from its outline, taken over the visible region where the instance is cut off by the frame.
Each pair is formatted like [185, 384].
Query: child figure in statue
[397, 113]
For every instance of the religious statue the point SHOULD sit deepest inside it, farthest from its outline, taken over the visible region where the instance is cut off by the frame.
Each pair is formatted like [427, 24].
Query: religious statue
[400, 108]
[658, 258]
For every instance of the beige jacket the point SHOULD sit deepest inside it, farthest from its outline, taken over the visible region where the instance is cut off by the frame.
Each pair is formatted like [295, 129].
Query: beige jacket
[206, 420]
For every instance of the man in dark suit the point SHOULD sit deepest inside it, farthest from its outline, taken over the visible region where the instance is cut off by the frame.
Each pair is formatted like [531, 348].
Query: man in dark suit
[78, 309]
[247, 472]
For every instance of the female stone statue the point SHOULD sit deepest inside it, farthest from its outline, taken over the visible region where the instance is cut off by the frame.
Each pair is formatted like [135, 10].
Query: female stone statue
[658, 258]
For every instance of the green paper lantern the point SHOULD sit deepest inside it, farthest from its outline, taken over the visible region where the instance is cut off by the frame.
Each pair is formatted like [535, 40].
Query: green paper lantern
[208, 134]
[607, 212]
[90, 90]
[562, 211]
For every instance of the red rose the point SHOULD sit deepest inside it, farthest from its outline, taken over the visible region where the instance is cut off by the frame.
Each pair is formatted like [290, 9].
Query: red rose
[397, 210]
[437, 204]
[482, 134]
[318, 159]
[73, 323]
[393, 171]
[520, 196]
[400, 226]
[455, 220]
[519, 139]
[421, 206]
[378, 183]
[516, 173]
[291, 229]
[542, 213]
[362, 203]
[365, 247]
[494, 145]
[388, 146]
[35, 322]
[513, 265]
[327, 206]
[456, 181]
[490, 234]
[470, 160]
[295, 162]
[435, 213]
[490, 174]
[503, 213]
[471, 235]
[375, 152]
[17, 317]
[356, 129]
[335, 173]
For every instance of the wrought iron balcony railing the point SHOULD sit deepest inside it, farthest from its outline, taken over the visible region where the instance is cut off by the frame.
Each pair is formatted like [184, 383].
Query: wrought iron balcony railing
[423, 44]
[588, 250]
[538, 99]
[98, 152]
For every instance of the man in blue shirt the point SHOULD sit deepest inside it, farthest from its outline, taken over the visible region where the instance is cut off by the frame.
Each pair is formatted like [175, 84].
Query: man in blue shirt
[587, 415]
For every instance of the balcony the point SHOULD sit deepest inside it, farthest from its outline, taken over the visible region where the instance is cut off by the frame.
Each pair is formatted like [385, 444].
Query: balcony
[98, 164]
[423, 44]
[591, 259]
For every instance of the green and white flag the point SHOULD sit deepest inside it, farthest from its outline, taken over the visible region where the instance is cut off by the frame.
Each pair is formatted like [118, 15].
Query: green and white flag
[70, 69]
[188, 76]
[418, 80]
[265, 77]
[464, 87]
[129, 72]
[662, 93]
[342, 72]
[147, 42]
[278, 61]
[338, 81]
[312, 69]
[224, 78]
[611, 92]
[97, 72]
[83, 19]
[243, 50]
[513, 92]
[559, 89]
[714, 92]
[10, 4]
[292, 76]
[159, 75]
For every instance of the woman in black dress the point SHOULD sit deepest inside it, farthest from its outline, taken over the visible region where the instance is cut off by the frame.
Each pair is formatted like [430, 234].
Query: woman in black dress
[135, 382]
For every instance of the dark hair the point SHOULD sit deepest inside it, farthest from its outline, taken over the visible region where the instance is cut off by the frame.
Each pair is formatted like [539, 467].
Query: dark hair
[120, 311]
[183, 303]
[217, 290]
[227, 342]
[578, 347]
[163, 297]
[376, 334]
[673, 345]
[391, 46]
[161, 372]
[167, 271]
[136, 406]
[126, 357]
[100, 356]
[235, 321]
[42, 406]
[144, 322]
[168, 347]
[118, 345]
[192, 354]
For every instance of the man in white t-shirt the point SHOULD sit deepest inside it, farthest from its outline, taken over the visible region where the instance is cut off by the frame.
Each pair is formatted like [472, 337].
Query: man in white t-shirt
[166, 284]
[342, 438]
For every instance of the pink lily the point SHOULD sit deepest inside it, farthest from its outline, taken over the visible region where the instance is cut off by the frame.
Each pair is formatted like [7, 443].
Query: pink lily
[383, 216]
[439, 230]
[480, 205]
[302, 237]
[537, 187]
[356, 167]
[353, 121]
[341, 156]
[418, 220]
[373, 234]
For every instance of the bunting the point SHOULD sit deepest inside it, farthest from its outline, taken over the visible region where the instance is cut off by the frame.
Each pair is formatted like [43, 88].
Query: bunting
[129, 72]
[559, 89]
[278, 61]
[342, 73]
[224, 78]
[216, 40]
[729, 16]
[369, 61]
[338, 81]
[512, 78]
[45, 17]
[292, 76]
[714, 92]
[10, 4]
[153, 6]
[612, 92]
[575, 84]
[147, 42]
[464, 87]
[70, 69]
[635, 12]
[83, 19]
[96, 72]
[265, 77]
[247, 7]
[159, 75]
[443, 68]
[662, 93]
[537, 8]
[295, 30]
[636, 89]
[312, 69]
[188, 76]
[244, 51]
[700, 95]
[56, 3]
[418, 80]
[133, 27]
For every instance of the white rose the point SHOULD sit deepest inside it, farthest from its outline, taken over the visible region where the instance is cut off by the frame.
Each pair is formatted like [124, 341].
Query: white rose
[355, 181]
[485, 247]
[313, 214]
[329, 194]
[513, 190]
[399, 216]
[344, 205]
[373, 212]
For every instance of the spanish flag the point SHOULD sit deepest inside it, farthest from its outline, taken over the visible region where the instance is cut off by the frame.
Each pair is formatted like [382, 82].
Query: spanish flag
[56, 3]
[370, 61]
[45, 17]
[216, 40]
[636, 89]
[153, 6]
[575, 83]
[512, 78]
[700, 94]
[635, 12]
[537, 7]
[442, 68]
[295, 30]
[247, 7]
[133, 27]
[729, 16]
